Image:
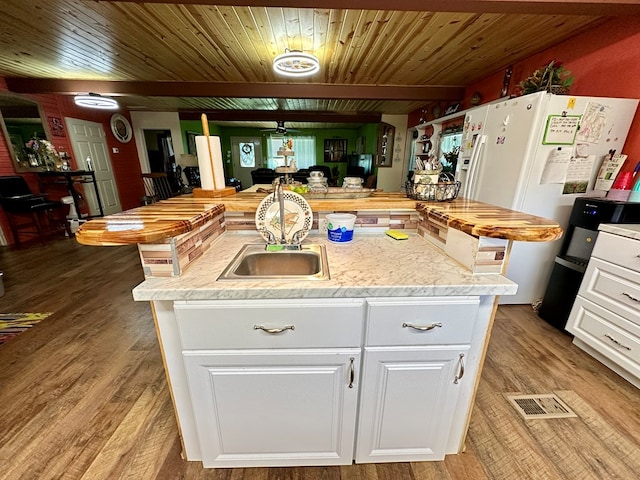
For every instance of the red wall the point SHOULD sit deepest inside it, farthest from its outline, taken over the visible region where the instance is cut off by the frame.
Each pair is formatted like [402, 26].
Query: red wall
[126, 166]
[604, 61]
[125, 163]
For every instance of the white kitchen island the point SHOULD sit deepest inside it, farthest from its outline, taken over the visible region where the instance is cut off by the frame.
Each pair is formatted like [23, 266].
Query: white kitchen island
[378, 364]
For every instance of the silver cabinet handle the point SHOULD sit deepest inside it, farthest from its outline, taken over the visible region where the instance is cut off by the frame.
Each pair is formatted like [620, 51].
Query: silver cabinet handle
[631, 297]
[422, 328]
[274, 330]
[352, 372]
[460, 369]
[617, 342]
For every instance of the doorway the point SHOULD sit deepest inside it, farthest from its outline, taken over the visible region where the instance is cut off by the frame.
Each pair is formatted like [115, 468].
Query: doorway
[162, 157]
[246, 155]
[88, 141]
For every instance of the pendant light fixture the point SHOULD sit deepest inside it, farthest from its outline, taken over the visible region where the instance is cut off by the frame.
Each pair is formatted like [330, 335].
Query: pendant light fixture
[95, 100]
[294, 63]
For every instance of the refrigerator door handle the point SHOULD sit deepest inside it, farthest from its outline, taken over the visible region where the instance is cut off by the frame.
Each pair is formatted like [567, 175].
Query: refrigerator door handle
[474, 165]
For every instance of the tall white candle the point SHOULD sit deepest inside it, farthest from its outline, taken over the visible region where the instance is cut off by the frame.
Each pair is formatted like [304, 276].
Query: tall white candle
[204, 163]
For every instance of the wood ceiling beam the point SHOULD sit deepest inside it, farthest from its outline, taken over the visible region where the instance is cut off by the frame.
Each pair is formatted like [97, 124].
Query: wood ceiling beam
[235, 90]
[280, 115]
[554, 7]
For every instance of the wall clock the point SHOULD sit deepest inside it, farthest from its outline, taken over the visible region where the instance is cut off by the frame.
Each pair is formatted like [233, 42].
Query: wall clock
[121, 128]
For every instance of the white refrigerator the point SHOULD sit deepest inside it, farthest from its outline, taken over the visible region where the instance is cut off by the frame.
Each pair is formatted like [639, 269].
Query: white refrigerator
[508, 145]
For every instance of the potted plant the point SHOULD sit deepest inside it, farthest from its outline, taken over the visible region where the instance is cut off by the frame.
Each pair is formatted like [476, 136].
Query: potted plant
[553, 77]
[450, 160]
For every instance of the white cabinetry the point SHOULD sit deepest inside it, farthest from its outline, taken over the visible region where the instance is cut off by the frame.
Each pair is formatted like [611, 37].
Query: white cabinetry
[280, 382]
[605, 317]
[413, 368]
[276, 407]
[272, 383]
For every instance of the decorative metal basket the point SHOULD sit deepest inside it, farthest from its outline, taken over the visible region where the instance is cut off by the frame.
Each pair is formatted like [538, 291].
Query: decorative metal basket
[438, 192]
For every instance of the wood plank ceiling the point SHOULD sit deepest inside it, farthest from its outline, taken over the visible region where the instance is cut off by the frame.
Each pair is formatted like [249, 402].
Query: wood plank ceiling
[192, 56]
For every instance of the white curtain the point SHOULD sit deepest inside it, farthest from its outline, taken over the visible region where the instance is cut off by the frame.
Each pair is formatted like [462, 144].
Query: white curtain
[303, 147]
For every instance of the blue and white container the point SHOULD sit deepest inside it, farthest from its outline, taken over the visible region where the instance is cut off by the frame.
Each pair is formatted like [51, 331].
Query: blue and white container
[340, 227]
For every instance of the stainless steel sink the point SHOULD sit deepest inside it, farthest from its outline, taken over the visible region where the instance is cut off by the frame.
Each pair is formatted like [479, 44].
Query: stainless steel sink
[255, 262]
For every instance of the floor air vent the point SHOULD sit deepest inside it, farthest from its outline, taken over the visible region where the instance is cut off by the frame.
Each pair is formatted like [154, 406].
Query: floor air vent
[540, 406]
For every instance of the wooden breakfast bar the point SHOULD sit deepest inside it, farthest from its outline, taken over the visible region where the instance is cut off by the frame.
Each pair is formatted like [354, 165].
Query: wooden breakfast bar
[179, 215]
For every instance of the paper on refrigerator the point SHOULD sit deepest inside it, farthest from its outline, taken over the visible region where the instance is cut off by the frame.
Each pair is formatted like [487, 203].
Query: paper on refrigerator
[578, 174]
[204, 163]
[609, 169]
[555, 170]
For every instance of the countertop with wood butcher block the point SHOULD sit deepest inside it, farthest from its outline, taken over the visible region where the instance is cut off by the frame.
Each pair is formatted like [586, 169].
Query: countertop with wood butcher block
[169, 218]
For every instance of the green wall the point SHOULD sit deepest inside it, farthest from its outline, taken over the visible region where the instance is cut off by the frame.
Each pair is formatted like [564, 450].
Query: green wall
[369, 131]
[196, 127]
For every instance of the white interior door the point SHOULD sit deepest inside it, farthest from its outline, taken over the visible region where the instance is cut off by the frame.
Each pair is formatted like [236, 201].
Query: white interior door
[88, 141]
[246, 154]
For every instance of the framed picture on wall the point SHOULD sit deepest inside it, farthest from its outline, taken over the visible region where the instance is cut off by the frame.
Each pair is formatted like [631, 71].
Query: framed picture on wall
[191, 142]
[56, 126]
[335, 150]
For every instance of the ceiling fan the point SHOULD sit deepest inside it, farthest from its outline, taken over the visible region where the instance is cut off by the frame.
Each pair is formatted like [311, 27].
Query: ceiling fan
[281, 129]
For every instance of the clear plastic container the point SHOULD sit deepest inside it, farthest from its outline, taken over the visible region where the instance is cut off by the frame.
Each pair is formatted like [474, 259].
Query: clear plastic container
[352, 183]
[317, 184]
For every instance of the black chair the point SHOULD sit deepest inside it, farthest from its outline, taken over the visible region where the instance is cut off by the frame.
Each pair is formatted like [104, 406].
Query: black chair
[301, 175]
[193, 176]
[31, 214]
[263, 176]
[156, 187]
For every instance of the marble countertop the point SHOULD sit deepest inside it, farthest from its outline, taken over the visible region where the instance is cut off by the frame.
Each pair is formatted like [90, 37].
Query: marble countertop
[160, 221]
[371, 265]
[622, 229]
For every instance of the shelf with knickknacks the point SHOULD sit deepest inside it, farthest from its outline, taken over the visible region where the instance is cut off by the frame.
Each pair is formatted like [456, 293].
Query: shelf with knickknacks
[433, 179]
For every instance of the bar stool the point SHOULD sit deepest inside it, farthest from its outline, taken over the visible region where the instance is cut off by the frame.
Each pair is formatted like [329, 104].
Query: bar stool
[29, 213]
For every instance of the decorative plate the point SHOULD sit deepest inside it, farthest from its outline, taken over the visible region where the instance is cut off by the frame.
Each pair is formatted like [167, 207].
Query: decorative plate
[298, 216]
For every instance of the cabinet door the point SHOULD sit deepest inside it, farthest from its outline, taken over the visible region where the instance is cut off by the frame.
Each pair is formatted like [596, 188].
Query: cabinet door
[407, 403]
[275, 408]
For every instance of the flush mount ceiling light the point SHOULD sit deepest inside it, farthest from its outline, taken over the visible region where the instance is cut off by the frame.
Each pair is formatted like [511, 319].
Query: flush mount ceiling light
[94, 100]
[295, 63]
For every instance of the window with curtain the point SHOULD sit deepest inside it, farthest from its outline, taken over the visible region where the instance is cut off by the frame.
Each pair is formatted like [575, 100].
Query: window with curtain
[303, 147]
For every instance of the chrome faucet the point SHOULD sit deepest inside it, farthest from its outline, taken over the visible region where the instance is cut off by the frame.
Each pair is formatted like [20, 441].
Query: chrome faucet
[295, 243]
[280, 197]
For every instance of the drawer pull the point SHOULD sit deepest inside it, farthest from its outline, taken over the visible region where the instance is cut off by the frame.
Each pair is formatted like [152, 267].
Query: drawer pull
[352, 372]
[422, 328]
[617, 342]
[273, 331]
[631, 297]
[461, 369]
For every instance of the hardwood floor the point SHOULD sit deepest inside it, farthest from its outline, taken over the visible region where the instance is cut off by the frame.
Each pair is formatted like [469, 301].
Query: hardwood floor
[83, 394]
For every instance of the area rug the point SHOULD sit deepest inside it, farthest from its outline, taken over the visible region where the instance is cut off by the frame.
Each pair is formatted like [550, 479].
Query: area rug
[12, 324]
